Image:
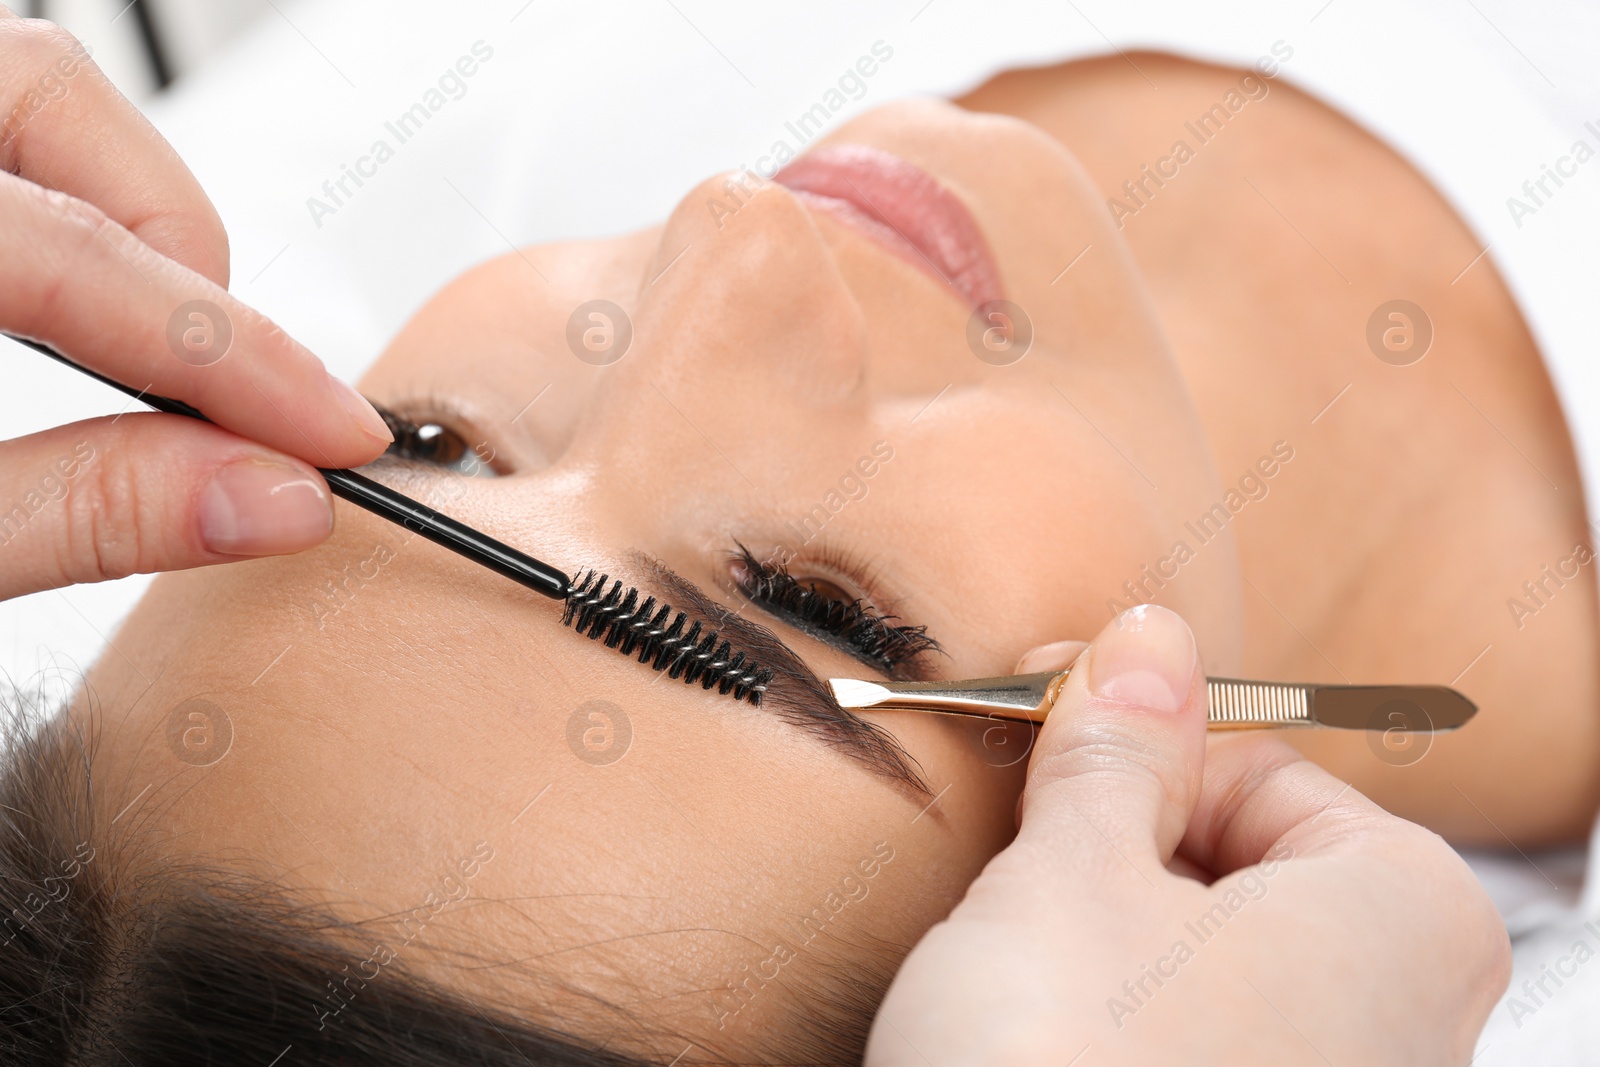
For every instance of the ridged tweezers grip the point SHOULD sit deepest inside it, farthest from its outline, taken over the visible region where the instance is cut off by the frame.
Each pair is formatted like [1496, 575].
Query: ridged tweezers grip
[1232, 703]
[1239, 703]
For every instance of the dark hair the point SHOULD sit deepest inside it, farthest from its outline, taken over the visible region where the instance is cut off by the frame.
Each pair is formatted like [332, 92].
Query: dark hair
[107, 958]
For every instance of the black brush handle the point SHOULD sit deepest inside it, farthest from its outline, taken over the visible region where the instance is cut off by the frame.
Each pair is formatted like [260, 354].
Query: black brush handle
[441, 529]
[381, 501]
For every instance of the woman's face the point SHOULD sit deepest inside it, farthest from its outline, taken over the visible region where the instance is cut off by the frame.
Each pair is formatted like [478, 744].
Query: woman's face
[359, 720]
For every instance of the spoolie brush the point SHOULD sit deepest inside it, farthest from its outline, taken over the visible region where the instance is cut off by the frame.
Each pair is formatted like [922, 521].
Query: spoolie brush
[617, 617]
[667, 641]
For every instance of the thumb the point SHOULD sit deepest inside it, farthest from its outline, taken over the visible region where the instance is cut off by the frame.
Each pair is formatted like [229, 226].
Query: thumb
[1115, 772]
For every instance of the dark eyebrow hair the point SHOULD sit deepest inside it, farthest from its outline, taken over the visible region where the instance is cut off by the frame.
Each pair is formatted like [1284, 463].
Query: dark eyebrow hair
[795, 693]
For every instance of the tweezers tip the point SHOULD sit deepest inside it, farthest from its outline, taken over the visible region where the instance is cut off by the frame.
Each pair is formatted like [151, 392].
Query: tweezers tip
[855, 693]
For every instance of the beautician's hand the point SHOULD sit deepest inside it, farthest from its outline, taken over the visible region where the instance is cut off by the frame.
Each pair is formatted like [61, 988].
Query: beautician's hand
[106, 243]
[1337, 933]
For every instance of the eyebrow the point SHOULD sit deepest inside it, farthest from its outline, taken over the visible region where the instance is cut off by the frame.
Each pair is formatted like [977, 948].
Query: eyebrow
[795, 693]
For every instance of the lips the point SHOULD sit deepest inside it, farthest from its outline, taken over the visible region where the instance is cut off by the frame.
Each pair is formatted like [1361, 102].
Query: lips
[903, 208]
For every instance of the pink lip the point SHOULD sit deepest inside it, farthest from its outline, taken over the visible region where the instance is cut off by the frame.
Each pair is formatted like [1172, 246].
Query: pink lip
[903, 208]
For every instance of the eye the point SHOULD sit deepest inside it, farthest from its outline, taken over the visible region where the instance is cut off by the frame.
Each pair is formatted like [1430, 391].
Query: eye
[830, 613]
[438, 445]
[825, 589]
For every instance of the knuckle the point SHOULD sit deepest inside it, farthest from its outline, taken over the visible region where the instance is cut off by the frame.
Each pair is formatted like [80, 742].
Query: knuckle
[189, 230]
[35, 47]
[1098, 751]
[78, 234]
[81, 220]
[1268, 764]
[1077, 834]
[214, 241]
[1456, 903]
[108, 532]
[1491, 947]
[39, 40]
[1424, 846]
[1106, 768]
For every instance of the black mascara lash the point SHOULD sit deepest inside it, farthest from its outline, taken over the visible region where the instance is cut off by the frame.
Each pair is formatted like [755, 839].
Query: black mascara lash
[857, 628]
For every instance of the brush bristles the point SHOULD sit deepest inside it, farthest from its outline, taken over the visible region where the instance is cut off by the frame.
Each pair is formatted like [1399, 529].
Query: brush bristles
[682, 649]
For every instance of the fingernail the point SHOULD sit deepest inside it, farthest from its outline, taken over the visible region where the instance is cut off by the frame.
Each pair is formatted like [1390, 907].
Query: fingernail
[256, 507]
[1057, 656]
[362, 411]
[1147, 659]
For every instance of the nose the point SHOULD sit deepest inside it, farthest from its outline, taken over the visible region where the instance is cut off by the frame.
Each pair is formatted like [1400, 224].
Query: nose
[745, 302]
[748, 367]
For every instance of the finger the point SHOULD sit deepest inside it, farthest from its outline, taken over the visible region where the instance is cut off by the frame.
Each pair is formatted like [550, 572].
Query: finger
[1266, 811]
[67, 128]
[1053, 657]
[81, 283]
[1117, 765]
[1261, 799]
[146, 492]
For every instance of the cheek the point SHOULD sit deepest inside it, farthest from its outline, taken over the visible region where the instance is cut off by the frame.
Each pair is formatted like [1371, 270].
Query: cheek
[1027, 518]
[916, 330]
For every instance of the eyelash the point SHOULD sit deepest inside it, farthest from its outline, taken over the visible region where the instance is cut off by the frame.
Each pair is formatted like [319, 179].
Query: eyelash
[414, 444]
[865, 633]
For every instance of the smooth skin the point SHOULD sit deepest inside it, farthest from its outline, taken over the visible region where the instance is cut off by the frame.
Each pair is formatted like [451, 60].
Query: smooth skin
[387, 724]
